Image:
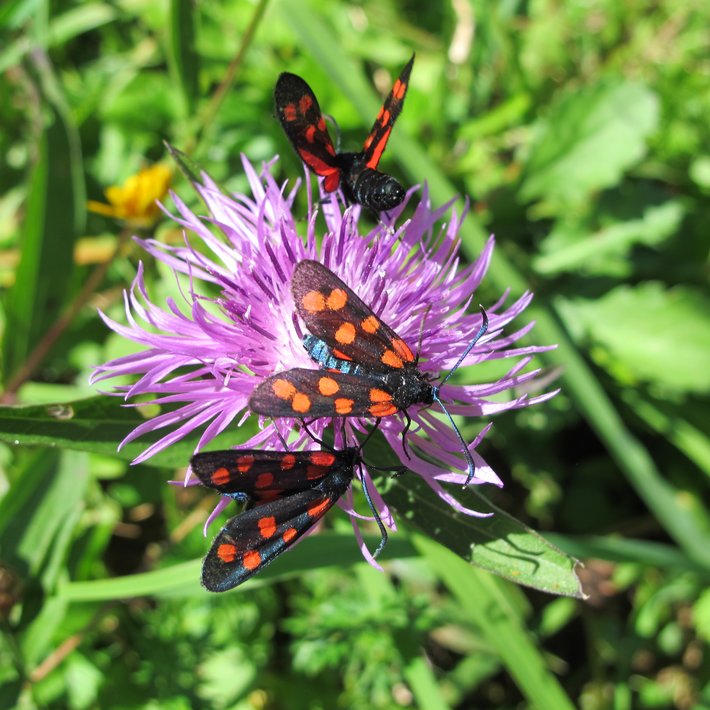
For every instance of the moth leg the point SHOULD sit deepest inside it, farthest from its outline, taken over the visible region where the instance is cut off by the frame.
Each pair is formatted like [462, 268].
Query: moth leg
[404, 433]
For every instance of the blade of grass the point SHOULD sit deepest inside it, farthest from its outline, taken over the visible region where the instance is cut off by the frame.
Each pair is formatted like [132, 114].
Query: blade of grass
[183, 59]
[316, 552]
[483, 598]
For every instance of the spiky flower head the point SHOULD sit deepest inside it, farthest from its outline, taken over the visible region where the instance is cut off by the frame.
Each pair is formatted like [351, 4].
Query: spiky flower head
[203, 357]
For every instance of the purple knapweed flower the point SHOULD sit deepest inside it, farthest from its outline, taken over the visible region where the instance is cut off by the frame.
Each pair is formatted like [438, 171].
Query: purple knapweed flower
[208, 353]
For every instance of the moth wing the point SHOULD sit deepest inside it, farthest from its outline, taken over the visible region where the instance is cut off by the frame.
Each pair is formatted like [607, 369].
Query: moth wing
[379, 135]
[262, 475]
[256, 537]
[321, 393]
[338, 316]
[301, 118]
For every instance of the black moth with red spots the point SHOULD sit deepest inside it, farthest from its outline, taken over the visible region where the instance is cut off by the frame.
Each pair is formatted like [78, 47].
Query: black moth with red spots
[355, 173]
[287, 493]
[368, 369]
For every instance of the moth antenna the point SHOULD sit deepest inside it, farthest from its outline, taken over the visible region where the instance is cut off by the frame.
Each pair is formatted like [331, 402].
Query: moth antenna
[470, 346]
[383, 530]
[464, 445]
[437, 398]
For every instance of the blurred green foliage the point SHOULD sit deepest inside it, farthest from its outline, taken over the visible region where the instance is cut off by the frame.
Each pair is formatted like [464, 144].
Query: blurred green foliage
[579, 132]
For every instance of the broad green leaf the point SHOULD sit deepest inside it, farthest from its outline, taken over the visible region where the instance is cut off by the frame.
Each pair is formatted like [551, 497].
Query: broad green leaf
[588, 140]
[667, 346]
[592, 252]
[499, 544]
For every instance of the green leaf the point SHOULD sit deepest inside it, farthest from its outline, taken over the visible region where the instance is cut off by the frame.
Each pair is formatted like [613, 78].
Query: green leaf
[641, 331]
[589, 139]
[674, 425]
[619, 549]
[184, 60]
[316, 552]
[98, 425]
[699, 172]
[499, 544]
[592, 252]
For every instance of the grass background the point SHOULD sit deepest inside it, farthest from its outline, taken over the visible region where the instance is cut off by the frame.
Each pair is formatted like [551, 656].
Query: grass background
[579, 131]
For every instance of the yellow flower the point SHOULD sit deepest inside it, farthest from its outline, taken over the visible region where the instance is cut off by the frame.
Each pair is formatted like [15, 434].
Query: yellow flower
[134, 201]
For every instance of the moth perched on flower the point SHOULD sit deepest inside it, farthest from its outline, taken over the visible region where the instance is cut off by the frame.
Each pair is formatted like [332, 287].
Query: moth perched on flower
[206, 356]
[355, 174]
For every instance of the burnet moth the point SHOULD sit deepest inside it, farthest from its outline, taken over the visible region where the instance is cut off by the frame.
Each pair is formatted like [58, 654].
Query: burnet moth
[286, 492]
[356, 173]
[368, 370]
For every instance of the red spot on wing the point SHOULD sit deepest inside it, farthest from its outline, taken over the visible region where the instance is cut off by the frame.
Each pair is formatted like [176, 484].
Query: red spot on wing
[379, 149]
[332, 181]
[322, 458]
[251, 560]
[244, 463]
[288, 462]
[370, 324]
[399, 89]
[220, 476]
[289, 534]
[317, 510]
[283, 389]
[327, 386]
[267, 526]
[227, 553]
[313, 302]
[337, 299]
[301, 402]
[343, 405]
[264, 480]
[345, 334]
[391, 359]
[382, 405]
[313, 472]
[319, 166]
[402, 349]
